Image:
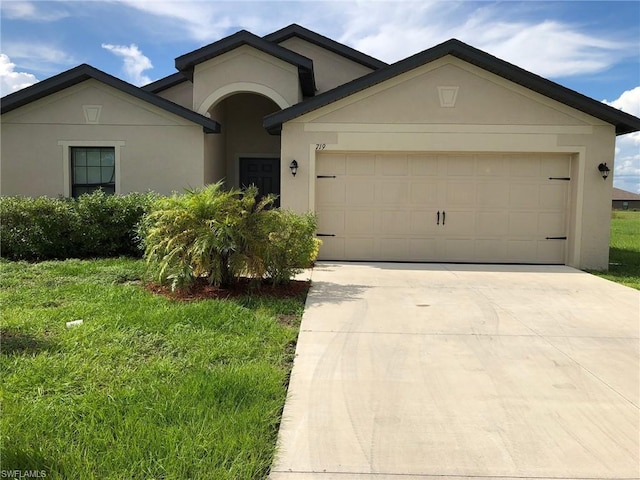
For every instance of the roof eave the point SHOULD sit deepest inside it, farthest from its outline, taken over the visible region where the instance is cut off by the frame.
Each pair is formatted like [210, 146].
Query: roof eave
[624, 122]
[187, 62]
[86, 72]
[165, 83]
[315, 38]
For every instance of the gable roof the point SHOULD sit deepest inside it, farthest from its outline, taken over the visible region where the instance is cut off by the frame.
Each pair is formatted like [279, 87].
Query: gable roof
[165, 83]
[295, 30]
[623, 122]
[619, 194]
[187, 62]
[85, 72]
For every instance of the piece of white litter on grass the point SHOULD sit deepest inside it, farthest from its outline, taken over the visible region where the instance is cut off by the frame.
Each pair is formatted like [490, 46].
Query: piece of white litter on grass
[75, 323]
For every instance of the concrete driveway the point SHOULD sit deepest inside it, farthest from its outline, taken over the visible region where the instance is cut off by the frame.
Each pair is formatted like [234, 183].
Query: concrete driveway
[427, 371]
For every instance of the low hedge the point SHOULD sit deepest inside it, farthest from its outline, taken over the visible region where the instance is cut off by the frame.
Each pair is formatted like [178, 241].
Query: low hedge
[91, 226]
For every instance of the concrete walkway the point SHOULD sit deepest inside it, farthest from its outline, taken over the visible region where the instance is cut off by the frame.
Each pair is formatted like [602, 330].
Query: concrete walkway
[429, 371]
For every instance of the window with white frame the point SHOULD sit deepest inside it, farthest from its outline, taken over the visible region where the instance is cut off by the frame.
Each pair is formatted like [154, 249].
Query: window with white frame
[93, 168]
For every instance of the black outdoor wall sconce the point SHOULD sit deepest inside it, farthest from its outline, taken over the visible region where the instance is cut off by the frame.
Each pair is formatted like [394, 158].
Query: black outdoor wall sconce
[294, 167]
[604, 170]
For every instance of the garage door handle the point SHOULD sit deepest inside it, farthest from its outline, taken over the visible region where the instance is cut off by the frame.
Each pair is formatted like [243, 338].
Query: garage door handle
[438, 218]
[444, 216]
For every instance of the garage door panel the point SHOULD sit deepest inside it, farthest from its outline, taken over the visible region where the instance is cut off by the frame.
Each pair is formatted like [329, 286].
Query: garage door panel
[492, 194]
[458, 249]
[523, 166]
[499, 208]
[459, 222]
[392, 165]
[491, 224]
[460, 166]
[332, 191]
[460, 194]
[360, 222]
[356, 248]
[555, 167]
[423, 222]
[422, 165]
[335, 164]
[553, 195]
[425, 194]
[549, 250]
[490, 167]
[361, 165]
[523, 224]
[551, 224]
[524, 251]
[360, 193]
[524, 195]
[490, 250]
[396, 221]
[393, 248]
[332, 221]
[424, 249]
[394, 193]
[333, 248]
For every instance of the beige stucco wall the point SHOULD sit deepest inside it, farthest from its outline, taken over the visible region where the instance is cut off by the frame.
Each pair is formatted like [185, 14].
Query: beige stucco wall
[215, 148]
[182, 94]
[154, 149]
[245, 69]
[490, 114]
[330, 69]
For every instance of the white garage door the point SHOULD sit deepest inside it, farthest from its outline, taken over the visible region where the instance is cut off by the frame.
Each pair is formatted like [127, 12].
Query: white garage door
[502, 208]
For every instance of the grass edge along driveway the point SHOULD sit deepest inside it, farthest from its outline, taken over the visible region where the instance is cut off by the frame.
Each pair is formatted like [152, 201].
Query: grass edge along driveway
[146, 387]
[624, 251]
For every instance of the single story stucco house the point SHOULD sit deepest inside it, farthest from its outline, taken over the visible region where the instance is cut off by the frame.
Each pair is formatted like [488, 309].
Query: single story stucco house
[624, 200]
[450, 155]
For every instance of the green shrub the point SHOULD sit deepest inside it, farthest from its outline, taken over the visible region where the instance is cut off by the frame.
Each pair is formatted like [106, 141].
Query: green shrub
[36, 228]
[109, 223]
[95, 225]
[291, 245]
[208, 232]
[225, 234]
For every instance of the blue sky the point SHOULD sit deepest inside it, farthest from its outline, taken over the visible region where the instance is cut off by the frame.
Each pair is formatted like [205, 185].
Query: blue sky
[591, 47]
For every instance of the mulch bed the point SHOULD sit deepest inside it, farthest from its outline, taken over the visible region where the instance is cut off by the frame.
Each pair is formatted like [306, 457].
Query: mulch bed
[201, 290]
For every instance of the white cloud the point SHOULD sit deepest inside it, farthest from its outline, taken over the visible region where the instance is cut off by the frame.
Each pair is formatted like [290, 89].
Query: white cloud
[626, 174]
[19, 10]
[628, 102]
[10, 80]
[38, 56]
[548, 48]
[135, 63]
[392, 30]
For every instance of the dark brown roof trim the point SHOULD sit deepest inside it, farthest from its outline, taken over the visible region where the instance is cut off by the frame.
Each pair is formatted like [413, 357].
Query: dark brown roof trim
[352, 54]
[85, 72]
[165, 83]
[623, 122]
[187, 62]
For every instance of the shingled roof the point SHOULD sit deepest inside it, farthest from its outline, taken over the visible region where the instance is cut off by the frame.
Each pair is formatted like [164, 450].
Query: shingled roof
[86, 72]
[623, 122]
[619, 194]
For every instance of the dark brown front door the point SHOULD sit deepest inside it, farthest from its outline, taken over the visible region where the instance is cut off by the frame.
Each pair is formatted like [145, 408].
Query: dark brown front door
[264, 173]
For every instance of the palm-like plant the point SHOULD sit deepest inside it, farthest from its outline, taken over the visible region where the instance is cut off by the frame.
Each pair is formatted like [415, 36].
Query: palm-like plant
[208, 232]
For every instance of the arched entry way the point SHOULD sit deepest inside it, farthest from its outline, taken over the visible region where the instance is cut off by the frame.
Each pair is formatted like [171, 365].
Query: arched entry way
[244, 153]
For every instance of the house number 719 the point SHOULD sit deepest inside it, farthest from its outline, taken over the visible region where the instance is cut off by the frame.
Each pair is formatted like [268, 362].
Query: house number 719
[321, 146]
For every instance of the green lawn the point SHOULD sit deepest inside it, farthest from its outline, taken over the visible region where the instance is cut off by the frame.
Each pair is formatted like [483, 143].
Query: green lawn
[146, 387]
[624, 253]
